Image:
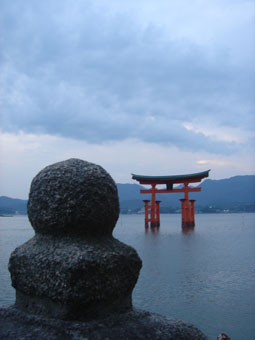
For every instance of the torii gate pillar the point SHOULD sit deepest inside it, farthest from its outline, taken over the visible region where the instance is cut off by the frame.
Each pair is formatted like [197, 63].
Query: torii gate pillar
[188, 213]
[157, 213]
[146, 213]
[152, 213]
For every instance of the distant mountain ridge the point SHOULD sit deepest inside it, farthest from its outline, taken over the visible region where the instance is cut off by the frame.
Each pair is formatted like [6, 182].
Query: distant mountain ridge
[231, 193]
[11, 206]
[237, 191]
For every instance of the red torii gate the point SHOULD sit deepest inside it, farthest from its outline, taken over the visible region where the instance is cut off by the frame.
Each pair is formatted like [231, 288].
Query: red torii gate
[152, 210]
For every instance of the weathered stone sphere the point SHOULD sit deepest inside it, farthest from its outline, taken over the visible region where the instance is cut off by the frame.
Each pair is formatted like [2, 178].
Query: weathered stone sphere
[73, 197]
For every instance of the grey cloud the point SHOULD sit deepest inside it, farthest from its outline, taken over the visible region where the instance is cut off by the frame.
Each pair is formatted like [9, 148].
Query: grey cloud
[72, 71]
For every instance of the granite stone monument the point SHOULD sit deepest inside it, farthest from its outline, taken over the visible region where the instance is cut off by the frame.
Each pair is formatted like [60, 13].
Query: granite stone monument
[73, 279]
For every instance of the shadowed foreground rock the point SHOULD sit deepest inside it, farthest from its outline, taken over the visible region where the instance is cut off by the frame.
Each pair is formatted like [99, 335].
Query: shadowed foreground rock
[73, 279]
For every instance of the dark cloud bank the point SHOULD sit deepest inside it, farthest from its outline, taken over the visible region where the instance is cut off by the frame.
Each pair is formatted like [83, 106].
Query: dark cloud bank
[69, 70]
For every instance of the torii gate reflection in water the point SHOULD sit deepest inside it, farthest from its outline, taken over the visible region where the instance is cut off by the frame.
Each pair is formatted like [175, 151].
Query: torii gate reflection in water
[152, 207]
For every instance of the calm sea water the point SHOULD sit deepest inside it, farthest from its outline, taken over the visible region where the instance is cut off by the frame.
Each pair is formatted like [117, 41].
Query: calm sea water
[206, 276]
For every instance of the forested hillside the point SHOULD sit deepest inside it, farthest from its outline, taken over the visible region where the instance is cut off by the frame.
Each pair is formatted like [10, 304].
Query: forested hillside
[233, 194]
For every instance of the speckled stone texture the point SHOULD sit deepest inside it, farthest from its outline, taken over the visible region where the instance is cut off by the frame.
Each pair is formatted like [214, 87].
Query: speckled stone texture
[131, 325]
[73, 268]
[73, 197]
[73, 279]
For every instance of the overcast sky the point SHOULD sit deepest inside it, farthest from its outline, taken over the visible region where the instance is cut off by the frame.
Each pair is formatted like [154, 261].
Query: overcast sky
[144, 86]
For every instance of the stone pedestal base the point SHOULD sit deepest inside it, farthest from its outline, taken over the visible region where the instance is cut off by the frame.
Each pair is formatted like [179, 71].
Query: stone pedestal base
[135, 324]
[79, 312]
